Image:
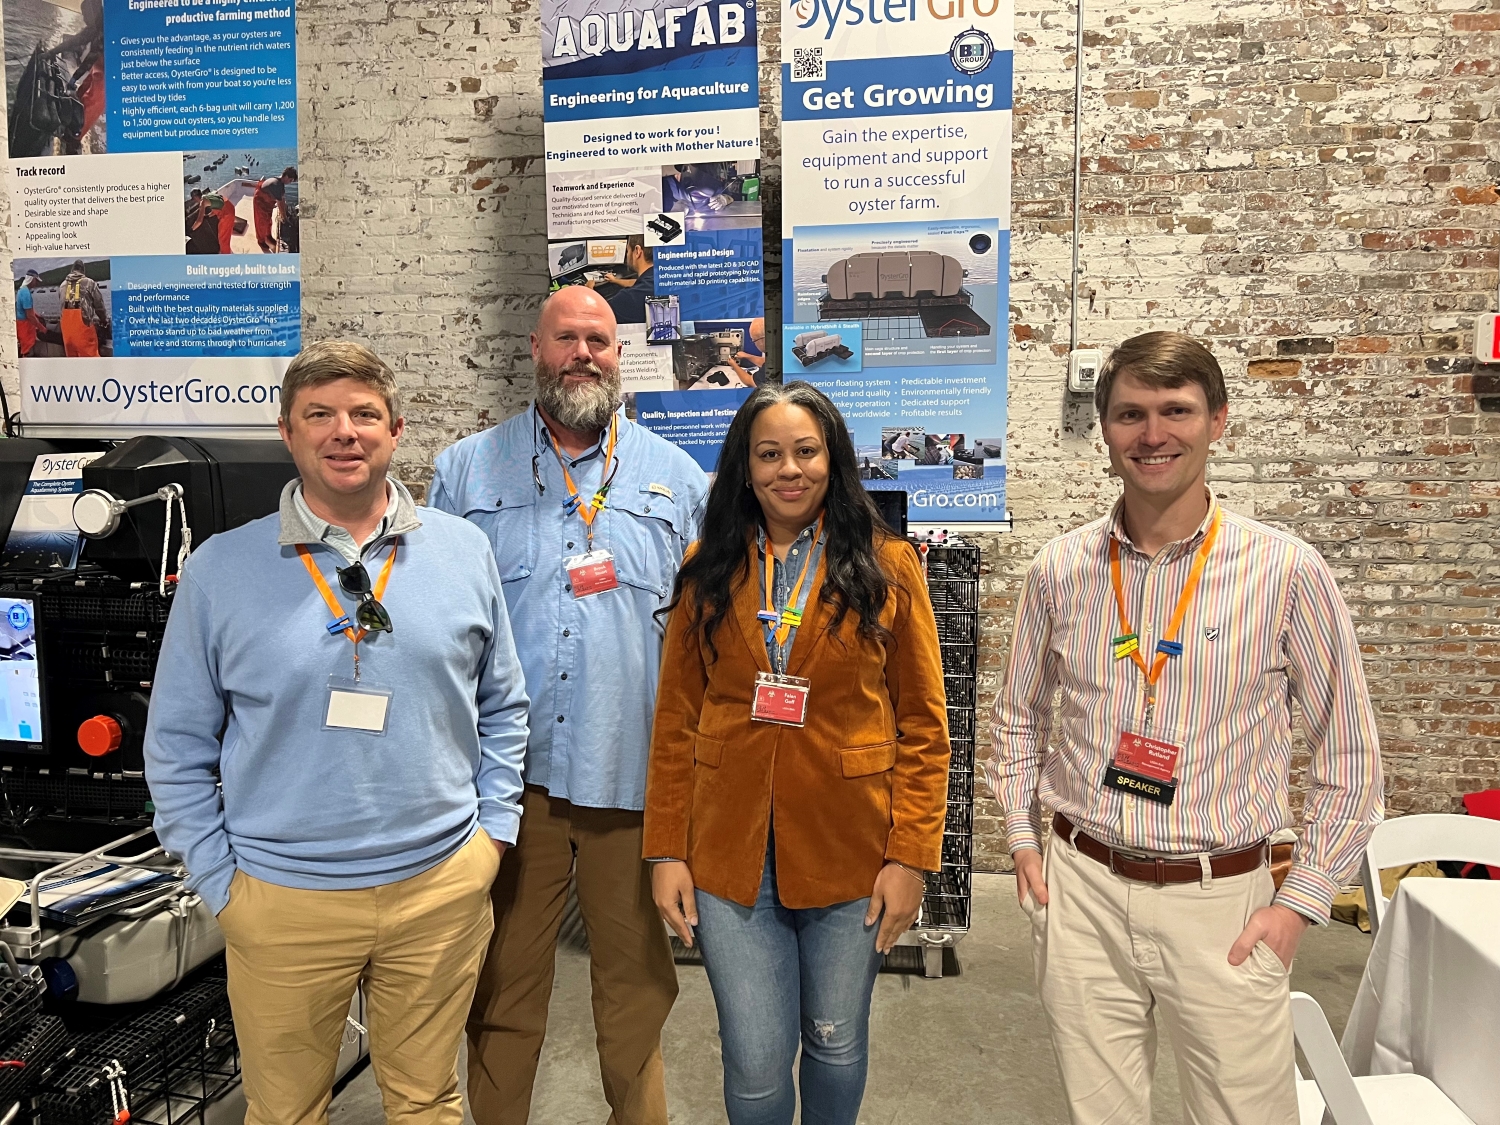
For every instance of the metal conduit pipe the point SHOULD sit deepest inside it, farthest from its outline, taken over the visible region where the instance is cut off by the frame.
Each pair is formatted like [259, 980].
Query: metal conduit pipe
[1077, 174]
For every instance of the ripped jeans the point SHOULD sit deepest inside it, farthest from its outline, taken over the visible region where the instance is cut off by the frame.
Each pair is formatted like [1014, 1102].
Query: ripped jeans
[781, 977]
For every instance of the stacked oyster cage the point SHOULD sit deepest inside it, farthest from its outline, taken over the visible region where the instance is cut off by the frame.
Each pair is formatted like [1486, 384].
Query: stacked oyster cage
[164, 1062]
[952, 569]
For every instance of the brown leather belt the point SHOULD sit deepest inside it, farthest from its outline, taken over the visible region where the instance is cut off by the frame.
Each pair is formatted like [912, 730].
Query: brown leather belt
[1145, 869]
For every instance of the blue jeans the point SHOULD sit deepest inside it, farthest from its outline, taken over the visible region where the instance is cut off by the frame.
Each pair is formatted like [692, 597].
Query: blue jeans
[782, 976]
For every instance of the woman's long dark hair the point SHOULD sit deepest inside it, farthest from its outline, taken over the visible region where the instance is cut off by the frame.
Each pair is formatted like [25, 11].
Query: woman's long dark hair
[852, 578]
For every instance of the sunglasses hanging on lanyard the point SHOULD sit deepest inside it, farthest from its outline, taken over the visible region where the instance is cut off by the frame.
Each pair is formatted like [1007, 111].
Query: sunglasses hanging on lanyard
[355, 704]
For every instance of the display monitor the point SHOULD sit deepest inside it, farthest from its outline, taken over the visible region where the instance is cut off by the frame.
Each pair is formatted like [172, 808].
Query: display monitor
[20, 676]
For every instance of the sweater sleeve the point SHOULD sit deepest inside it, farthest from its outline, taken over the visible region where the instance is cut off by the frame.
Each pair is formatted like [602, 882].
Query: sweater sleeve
[914, 678]
[503, 728]
[182, 746]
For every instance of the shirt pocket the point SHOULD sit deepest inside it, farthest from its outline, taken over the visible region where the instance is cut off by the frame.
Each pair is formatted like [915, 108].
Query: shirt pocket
[645, 534]
[511, 531]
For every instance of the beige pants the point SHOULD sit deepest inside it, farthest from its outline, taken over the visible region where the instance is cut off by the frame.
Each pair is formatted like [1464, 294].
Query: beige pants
[296, 956]
[1110, 951]
[630, 963]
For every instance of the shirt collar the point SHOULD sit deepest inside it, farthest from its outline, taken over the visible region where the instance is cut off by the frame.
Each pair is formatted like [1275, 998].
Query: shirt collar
[300, 525]
[544, 437]
[1191, 543]
[761, 540]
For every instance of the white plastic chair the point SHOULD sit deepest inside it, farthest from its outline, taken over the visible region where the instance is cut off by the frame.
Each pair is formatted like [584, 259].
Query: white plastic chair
[1381, 1099]
[1420, 838]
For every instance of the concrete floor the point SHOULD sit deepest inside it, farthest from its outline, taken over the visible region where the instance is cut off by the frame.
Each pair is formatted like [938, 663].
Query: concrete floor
[964, 1050]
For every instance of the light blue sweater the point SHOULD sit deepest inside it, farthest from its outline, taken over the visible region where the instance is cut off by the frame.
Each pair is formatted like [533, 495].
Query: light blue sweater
[247, 652]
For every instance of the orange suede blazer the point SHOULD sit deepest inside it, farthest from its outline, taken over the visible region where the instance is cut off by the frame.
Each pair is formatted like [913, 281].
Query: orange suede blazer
[865, 781]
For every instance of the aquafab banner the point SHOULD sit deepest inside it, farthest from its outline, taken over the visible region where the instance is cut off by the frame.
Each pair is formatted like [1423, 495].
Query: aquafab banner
[652, 123]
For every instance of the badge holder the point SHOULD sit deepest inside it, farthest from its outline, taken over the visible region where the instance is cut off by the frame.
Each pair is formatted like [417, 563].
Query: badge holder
[356, 705]
[780, 699]
[1145, 765]
[591, 573]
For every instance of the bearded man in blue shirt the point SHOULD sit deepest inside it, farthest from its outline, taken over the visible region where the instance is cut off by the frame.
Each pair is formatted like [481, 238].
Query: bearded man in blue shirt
[589, 515]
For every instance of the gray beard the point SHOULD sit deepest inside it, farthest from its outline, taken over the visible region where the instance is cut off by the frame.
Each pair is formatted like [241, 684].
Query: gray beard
[584, 408]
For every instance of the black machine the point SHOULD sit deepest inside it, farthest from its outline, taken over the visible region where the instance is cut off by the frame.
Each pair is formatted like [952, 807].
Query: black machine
[78, 645]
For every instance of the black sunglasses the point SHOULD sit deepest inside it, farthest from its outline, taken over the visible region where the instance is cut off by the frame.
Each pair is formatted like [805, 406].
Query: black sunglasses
[370, 615]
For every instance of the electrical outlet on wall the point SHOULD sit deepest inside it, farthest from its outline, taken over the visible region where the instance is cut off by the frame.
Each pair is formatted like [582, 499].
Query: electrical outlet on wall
[1487, 338]
[1083, 370]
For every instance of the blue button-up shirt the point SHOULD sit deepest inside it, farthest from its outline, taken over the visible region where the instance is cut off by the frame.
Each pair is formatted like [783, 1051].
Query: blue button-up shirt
[591, 663]
[784, 575]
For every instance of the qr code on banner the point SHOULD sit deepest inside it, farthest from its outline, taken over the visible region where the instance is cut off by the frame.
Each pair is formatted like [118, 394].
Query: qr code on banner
[807, 65]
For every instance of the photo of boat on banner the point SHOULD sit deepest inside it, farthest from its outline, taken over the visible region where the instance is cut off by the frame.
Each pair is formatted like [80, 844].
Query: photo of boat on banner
[54, 77]
[241, 202]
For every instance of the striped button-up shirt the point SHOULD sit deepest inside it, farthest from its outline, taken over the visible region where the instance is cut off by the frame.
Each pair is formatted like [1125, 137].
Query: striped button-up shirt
[1267, 627]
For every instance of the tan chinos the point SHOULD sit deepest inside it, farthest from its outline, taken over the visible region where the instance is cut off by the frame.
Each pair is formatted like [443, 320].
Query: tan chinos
[296, 956]
[1111, 951]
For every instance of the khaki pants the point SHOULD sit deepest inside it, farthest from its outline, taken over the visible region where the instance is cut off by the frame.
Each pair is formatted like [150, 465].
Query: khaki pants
[295, 957]
[1109, 951]
[630, 963]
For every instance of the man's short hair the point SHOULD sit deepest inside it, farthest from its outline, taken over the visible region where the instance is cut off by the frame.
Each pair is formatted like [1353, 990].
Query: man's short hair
[330, 360]
[1163, 359]
[639, 242]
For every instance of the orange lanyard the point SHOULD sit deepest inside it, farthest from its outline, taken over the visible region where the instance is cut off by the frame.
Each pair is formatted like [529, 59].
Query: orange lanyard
[791, 616]
[1128, 644]
[333, 603]
[587, 512]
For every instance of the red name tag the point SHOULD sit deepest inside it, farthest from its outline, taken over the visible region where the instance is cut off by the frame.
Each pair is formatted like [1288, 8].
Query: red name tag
[779, 699]
[1150, 757]
[592, 573]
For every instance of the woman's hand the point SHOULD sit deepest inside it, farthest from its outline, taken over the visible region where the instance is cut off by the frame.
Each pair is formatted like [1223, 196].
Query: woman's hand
[898, 892]
[672, 889]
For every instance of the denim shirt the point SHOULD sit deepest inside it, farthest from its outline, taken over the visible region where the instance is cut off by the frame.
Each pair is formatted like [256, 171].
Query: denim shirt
[591, 663]
[784, 577]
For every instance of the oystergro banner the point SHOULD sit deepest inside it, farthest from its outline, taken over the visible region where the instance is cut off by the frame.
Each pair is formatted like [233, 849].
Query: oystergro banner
[154, 209]
[652, 121]
[896, 125]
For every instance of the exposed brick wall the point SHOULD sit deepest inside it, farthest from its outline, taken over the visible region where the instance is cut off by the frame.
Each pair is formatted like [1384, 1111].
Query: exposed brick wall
[1309, 187]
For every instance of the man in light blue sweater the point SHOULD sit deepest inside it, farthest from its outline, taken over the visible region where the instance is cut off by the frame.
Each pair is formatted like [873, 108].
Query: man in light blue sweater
[337, 730]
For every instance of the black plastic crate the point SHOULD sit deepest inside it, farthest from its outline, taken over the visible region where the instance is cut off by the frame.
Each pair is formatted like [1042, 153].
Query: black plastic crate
[186, 1040]
[961, 691]
[961, 724]
[945, 561]
[960, 628]
[24, 1060]
[121, 800]
[20, 999]
[954, 595]
[960, 660]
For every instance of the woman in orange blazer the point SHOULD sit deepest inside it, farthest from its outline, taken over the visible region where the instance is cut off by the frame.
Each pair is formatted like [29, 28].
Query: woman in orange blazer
[799, 760]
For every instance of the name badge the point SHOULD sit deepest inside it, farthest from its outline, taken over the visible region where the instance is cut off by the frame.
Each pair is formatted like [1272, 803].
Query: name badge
[780, 699]
[592, 573]
[1145, 766]
[357, 705]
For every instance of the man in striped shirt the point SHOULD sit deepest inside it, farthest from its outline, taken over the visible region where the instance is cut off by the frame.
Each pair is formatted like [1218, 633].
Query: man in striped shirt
[1180, 634]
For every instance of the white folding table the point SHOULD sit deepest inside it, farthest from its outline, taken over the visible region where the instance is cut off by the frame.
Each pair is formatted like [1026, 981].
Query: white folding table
[1429, 1002]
